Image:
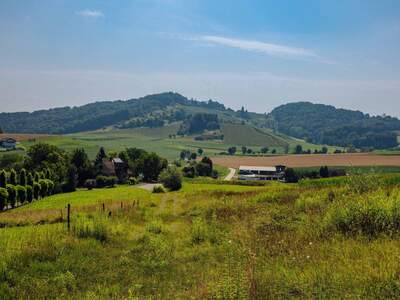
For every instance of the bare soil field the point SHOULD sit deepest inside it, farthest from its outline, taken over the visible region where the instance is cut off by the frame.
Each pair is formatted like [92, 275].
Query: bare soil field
[310, 160]
[19, 137]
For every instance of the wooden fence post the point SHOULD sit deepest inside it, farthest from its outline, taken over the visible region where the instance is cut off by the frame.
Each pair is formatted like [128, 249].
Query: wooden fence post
[69, 217]
[104, 207]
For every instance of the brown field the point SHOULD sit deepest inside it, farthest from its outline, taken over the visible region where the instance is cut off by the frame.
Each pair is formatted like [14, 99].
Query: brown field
[310, 160]
[19, 137]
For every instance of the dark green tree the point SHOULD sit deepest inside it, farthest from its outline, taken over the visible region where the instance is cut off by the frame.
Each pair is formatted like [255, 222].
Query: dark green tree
[98, 162]
[29, 193]
[12, 195]
[231, 150]
[3, 198]
[298, 149]
[21, 193]
[29, 179]
[324, 172]
[72, 180]
[171, 178]
[22, 177]
[291, 176]
[36, 190]
[81, 162]
[244, 150]
[200, 151]
[3, 179]
[13, 177]
[264, 150]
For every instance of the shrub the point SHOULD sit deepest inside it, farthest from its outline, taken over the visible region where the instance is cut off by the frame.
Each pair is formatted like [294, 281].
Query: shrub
[291, 176]
[189, 172]
[203, 169]
[90, 184]
[12, 195]
[3, 198]
[171, 179]
[105, 181]
[29, 193]
[214, 174]
[21, 193]
[157, 189]
[133, 181]
[13, 177]
[50, 186]
[36, 190]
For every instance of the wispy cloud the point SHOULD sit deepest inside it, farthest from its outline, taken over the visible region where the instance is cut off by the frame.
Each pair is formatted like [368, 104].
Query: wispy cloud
[258, 46]
[90, 13]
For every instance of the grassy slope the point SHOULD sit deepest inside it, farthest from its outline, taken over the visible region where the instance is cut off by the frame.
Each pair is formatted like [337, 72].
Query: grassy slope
[157, 140]
[205, 241]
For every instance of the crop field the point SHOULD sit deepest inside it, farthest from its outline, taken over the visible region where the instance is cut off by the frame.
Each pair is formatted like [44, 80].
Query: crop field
[310, 160]
[23, 136]
[333, 238]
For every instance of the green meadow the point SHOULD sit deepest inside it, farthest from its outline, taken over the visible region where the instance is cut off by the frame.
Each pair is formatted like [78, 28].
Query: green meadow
[158, 140]
[321, 239]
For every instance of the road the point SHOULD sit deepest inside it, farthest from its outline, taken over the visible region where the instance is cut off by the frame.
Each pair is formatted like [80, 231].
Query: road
[148, 186]
[232, 172]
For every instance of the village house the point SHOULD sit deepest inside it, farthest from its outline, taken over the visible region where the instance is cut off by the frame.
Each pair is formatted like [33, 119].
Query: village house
[261, 173]
[8, 143]
[115, 167]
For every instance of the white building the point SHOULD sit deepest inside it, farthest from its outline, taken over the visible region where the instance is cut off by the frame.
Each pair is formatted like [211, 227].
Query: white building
[261, 173]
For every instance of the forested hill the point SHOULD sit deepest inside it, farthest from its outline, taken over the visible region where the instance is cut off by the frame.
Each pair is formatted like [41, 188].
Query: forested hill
[149, 111]
[325, 124]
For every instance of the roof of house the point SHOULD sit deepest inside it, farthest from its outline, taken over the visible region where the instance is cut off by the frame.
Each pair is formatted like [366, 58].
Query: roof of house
[117, 160]
[8, 140]
[257, 168]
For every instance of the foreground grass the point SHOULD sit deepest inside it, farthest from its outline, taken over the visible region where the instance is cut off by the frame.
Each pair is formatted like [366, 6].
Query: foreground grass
[209, 241]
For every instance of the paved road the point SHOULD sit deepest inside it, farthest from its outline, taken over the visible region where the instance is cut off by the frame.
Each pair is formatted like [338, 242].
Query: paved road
[232, 172]
[148, 186]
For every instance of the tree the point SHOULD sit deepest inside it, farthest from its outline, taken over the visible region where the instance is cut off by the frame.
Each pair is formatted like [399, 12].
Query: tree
[29, 193]
[37, 176]
[21, 193]
[231, 150]
[291, 176]
[244, 150]
[200, 152]
[43, 188]
[193, 156]
[13, 177]
[22, 177]
[249, 151]
[171, 179]
[151, 165]
[324, 150]
[3, 198]
[80, 160]
[29, 179]
[1, 131]
[36, 190]
[324, 172]
[298, 149]
[264, 150]
[3, 179]
[98, 162]
[72, 180]
[189, 171]
[273, 151]
[12, 195]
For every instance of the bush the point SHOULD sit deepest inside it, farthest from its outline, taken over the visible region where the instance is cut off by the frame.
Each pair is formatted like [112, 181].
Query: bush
[133, 181]
[105, 181]
[12, 195]
[3, 179]
[214, 174]
[189, 172]
[90, 184]
[158, 189]
[3, 198]
[21, 193]
[29, 193]
[171, 179]
[36, 190]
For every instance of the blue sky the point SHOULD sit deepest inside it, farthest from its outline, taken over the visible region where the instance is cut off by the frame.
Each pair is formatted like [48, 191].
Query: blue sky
[256, 53]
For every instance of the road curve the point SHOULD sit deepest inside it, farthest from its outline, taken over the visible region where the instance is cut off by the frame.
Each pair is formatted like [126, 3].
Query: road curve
[232, 172]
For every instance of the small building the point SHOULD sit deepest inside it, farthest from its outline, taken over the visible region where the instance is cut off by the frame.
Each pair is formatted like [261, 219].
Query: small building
[115, 167]
[261, 173]
[8, 143]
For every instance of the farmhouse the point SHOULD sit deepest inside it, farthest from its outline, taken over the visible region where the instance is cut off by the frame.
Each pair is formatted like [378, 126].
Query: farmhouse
[8, 143]
[115, 167]
[261, 173]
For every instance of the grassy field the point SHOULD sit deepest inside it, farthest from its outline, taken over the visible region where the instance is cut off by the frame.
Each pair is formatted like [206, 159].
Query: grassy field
[319, 239]
[157, 140]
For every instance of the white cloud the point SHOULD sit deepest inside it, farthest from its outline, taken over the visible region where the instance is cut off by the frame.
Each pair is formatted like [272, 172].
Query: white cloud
[258, 46]
[90, 13]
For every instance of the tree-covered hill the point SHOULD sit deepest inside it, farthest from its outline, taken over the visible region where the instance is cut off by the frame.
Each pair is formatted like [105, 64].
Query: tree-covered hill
[325, 124]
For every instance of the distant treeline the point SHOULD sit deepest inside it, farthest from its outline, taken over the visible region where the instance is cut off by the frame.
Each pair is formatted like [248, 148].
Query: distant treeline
[324, 124]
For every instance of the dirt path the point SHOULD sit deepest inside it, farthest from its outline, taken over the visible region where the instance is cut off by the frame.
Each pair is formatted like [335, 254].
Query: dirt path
[232, 172]
[310, 160]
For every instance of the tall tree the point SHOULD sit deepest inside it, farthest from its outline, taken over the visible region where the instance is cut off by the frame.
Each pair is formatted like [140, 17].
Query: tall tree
[81, 161]
[13, 177]
[22, 177]
[3, 179]
[98, 162]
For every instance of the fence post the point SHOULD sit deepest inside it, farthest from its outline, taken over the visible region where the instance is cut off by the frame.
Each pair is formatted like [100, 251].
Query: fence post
[69, 217]
[104, 207]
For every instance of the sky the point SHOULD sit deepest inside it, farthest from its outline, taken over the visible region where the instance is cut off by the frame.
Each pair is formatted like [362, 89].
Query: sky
[253, 53]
